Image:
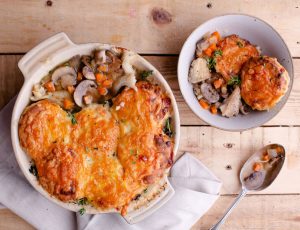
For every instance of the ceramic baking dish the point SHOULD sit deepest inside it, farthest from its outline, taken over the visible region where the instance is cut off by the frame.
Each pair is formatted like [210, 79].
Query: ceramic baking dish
[34, 66]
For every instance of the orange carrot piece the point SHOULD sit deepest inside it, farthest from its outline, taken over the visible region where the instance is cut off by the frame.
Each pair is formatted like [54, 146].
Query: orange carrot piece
[102, 91]
[68, 104]
[217, 35]
[218, 83]
[204, 104]
[213, 109]
[266, 157]
[256, 167]
[103, 68]
[279, 150]
[79, 76]
[71, 89]
[50, 86]
[208, 52]
[107, 83]
[213, 47]
[100, 77]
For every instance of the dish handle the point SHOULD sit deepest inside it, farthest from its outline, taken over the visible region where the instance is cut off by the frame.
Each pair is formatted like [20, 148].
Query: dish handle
[40, 54]
[138, 215]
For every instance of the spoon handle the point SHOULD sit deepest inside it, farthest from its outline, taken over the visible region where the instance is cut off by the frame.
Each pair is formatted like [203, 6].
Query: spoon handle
[243, 192]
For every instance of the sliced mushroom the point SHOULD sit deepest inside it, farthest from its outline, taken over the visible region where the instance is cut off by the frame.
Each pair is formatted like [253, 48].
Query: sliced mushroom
[65, 74]
[209, 93]
[75, 62]
[100, 56]
[244, 109]
[88, 73]
[82, 90]
[126, 80]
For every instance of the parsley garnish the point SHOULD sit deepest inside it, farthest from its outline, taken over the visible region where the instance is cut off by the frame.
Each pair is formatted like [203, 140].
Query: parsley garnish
[211, 63]
[145, 74]
[82, 201]
[167, 129]
[72, 117]
[239, 44]
[234, 80]
[218, 52]
[81, 211]
[33, 171]
[145, 190]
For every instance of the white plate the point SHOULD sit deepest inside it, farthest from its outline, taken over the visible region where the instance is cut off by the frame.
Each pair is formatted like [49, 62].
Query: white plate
[257, 32]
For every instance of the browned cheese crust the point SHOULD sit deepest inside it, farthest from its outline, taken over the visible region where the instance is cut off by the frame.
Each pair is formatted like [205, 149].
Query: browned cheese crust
[109, 156]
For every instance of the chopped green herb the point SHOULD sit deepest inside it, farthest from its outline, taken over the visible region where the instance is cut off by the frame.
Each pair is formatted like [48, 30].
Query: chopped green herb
[145, 74]
[131, 151]
[235, 80]
[72, 117]
[81, 211]
[167, 129]
[133, 162]
[211, 63]
[218, 52]
[33, 171]
[239, 44]
[145, 190]
[82, 201]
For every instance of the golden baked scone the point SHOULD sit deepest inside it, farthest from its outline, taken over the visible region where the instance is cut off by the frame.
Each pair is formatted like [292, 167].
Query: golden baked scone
[235, 51]
[264, 82]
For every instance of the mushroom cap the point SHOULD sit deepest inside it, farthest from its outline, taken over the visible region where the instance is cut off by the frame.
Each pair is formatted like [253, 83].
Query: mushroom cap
[88, 73]
[209, 93]
[82, 89]
[66, 74]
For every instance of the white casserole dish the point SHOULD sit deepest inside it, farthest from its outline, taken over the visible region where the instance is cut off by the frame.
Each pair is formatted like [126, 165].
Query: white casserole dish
[257, 32]
[34, 66]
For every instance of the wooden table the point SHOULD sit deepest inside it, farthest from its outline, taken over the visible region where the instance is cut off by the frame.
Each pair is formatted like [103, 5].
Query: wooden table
[157, 30]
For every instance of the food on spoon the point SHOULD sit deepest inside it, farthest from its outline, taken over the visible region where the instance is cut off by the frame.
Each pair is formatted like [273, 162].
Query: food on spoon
[235, 52]
[264, 82]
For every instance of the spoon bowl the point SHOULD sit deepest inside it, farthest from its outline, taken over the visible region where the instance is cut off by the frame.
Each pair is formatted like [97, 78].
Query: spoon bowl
[257, 181]
[258, 172]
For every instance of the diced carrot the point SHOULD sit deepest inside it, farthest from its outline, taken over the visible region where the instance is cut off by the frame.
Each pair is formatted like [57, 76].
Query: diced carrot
[213, 109]
[79, 76]
[50, 86]
[107, 83]
[213, 47]
[204, 104]
[218, 83]
[70, 89]
[279, 150]
[256, 167]
[217, 34]
[102, 91]
[208, 52]
[68, 104]
[266, 157]
[103, 68]
[100, 77]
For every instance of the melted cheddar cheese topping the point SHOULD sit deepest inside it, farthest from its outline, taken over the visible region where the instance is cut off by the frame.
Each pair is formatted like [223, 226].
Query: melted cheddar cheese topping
[109, 155]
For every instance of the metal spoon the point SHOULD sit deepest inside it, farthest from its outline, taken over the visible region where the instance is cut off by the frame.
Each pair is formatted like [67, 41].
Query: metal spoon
[259, 180]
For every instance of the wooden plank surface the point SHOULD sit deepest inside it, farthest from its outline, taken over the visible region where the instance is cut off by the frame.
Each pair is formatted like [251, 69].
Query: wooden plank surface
[11, 81]
[145, 26]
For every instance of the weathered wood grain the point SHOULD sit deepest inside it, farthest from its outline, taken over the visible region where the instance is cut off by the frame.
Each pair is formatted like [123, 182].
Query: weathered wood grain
[225, 152]
[145, 26]
[11, 80]
[255, 212]
[10, 221]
